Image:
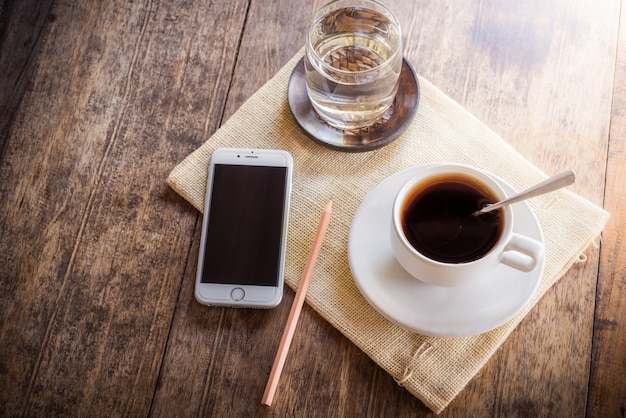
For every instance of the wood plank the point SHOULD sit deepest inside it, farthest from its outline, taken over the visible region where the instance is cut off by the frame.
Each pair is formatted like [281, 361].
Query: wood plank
[48, 173]
[21, 25]
[96, 239]
[607, 391]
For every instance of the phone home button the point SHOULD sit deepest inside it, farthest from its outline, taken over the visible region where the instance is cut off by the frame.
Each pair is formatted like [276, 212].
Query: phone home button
[237, 294]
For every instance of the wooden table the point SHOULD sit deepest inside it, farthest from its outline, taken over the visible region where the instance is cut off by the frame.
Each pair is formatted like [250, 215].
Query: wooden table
[100, 100]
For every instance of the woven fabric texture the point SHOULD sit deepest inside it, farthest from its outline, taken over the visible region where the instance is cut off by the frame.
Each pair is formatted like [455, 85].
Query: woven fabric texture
[433, 369]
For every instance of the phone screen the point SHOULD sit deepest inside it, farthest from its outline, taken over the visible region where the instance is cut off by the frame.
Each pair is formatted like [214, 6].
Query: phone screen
[245, 221]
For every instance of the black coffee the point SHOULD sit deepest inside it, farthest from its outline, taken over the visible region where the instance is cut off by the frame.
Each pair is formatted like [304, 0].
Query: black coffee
[437, 219]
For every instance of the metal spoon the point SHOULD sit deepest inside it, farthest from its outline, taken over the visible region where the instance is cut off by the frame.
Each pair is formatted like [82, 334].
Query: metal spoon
[553, 183]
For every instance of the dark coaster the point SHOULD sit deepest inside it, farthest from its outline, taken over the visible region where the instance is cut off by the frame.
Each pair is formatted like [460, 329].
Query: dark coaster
[387, 128]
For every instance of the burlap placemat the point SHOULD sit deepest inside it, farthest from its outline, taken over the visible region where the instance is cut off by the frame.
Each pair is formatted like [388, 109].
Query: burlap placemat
[433, 369]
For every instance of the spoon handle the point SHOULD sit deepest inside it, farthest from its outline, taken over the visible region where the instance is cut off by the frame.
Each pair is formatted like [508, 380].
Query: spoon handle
[553, 183]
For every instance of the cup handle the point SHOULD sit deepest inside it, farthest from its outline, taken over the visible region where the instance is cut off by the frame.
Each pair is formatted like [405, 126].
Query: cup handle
[522, 253]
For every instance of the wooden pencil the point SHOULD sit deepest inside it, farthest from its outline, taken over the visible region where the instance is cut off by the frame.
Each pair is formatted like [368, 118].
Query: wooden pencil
[296, 307]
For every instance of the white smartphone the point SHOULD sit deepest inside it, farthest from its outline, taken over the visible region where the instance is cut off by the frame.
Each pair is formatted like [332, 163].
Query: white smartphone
[244, 229]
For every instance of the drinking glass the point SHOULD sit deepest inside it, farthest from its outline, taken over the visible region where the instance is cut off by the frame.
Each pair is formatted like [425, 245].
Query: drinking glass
[353, 61]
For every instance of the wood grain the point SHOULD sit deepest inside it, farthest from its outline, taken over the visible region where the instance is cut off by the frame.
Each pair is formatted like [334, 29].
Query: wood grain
[21, 25]
[99, 100]
[46, 197]
[97, 240]
[607, 392]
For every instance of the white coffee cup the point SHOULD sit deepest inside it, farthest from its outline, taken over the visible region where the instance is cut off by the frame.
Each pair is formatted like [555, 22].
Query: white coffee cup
[513, 249]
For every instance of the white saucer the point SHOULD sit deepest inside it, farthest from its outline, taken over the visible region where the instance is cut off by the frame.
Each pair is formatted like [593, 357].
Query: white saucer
[426, 309]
